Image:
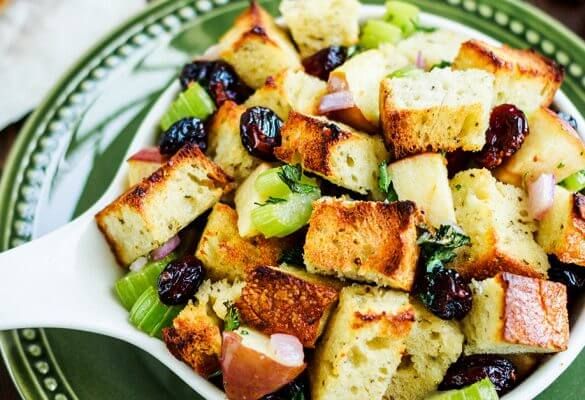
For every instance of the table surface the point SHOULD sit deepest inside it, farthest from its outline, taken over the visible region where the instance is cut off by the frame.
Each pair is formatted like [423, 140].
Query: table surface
[570, 12]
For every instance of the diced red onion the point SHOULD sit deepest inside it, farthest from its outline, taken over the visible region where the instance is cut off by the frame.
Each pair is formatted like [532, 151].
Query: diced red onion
[541, 193]
[166, 249]
[287, 348]
[420, 61]
[149, 154]
[336, 84]
[336, 101]
[138, 264]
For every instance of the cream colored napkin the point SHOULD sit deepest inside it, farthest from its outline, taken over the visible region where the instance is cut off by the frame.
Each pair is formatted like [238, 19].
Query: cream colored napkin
[40, 39]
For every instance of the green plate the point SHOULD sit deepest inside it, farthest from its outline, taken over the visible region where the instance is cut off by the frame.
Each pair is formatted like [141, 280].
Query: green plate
[70, 148]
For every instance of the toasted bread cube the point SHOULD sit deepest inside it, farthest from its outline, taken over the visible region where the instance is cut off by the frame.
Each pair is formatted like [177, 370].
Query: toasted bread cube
[246, 200]
[225, 254]
[562, 230]
[219, 294]
[440, 110]
[334, 151]
[423, 179]
[495, 217]
[432, 346]
[139, 170]
[256, 47]
[225, 144]
[279, 300]
[363, 344]
[551, 147]
[195, 338]
[362, 75]
[437, 46]
[523, 77]
[364, 240]
[516, 314]
[316, 24]
[289, 90]
[152, 212]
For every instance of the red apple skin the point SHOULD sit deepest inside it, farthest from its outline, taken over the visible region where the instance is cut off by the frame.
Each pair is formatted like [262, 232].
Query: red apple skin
[248, 374]
[149, 154]
[354, 118]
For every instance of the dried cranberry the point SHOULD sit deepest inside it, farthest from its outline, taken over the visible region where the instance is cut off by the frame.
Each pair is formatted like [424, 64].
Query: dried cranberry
[196, 71]
[260, 132]
[569, 118]
[324, 61]
[444, 292]
[185, 130]
[470, 369]
[506, 133]
[458, 161]
[572, 276]
[180, 280]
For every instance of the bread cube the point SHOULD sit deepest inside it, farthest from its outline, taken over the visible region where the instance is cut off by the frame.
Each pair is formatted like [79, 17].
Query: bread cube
[362, 75]
[516, 314]
[495, 217]
[440, 110]
[224, 144]
[289, 90]
[334, 151]
[316, 24]
[562, 230]
[363, 240]
[423, 179]
[363, 344]
[279, 300]
[434, 47]
[195, 338]
[552, 147]
[152, 212]
[226, 254]
[432, 346]
[140, 169]
[523, 77]
[219, 294]
[246, 200]
[256, 47]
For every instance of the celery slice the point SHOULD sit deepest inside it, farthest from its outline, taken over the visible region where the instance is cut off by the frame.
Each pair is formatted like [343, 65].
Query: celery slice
[150, 315]
[405, 71]
[376, 32]
[283, 218]
[482, 390]
[405, 16]
[575, 182]
[269, 183]
[131, 286]
[193, 102]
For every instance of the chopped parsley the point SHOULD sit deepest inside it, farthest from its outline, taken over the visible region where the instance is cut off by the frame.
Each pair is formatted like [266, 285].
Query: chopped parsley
[271, 200]
[561, 165]
[232, 318]
[404, 72]
[293, 256]
[437, 248]
[291, 175]
[385, 183]
[458, 187]
[442, 64]
[420, 28]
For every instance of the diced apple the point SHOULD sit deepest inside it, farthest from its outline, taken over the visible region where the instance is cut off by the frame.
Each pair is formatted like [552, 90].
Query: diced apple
[246, 199]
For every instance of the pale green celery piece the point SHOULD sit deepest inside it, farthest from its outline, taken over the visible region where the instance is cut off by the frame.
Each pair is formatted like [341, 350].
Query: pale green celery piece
[376, 32]
[193, 102]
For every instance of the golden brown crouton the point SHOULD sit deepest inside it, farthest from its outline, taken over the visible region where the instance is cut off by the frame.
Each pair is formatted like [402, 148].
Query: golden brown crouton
[289, 90]
[551, 147]
[227, 255]
[523, 77]
[562, 229]
[195, 339]
[278, 300]
[156, 209]
[363, 344]
[333, 151]
[225, 144]
[256, 47]
[440, 110]
[139, 170]
[364, 240]
[516, 314]
[495, 217]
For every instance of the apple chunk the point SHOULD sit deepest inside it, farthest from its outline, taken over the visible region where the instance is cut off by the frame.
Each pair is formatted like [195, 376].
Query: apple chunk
[254, 365]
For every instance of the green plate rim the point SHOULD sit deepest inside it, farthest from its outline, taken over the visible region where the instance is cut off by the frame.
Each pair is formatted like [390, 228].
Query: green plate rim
[536, 28]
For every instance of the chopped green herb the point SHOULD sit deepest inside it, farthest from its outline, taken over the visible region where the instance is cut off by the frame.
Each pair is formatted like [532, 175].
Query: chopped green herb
[561, 165]
[293, 256]
[442, 64]
[385, 183]
[437, 248]
[420, 28]
[271, 200]
[232, 318]
[291, 176]
[458, 187]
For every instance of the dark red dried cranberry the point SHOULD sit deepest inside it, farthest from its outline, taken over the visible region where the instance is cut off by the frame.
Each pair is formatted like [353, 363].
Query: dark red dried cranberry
[180, 280]
[444, 292]
[457, 161]
[185, 130]
[569, 118]
[506, 133]
[260, 132]
[572, 276]
[324, 61]
[196, 71]
[470, 369]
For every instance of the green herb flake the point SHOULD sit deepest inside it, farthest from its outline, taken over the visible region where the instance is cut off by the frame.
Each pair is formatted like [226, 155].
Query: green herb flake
[405, 72]
[271, 200]
[385, 183]
[437, 248]
[291, 175]
[458, 187]
[561, 165]
[442, 64]
[232, 318]
[293, 256]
